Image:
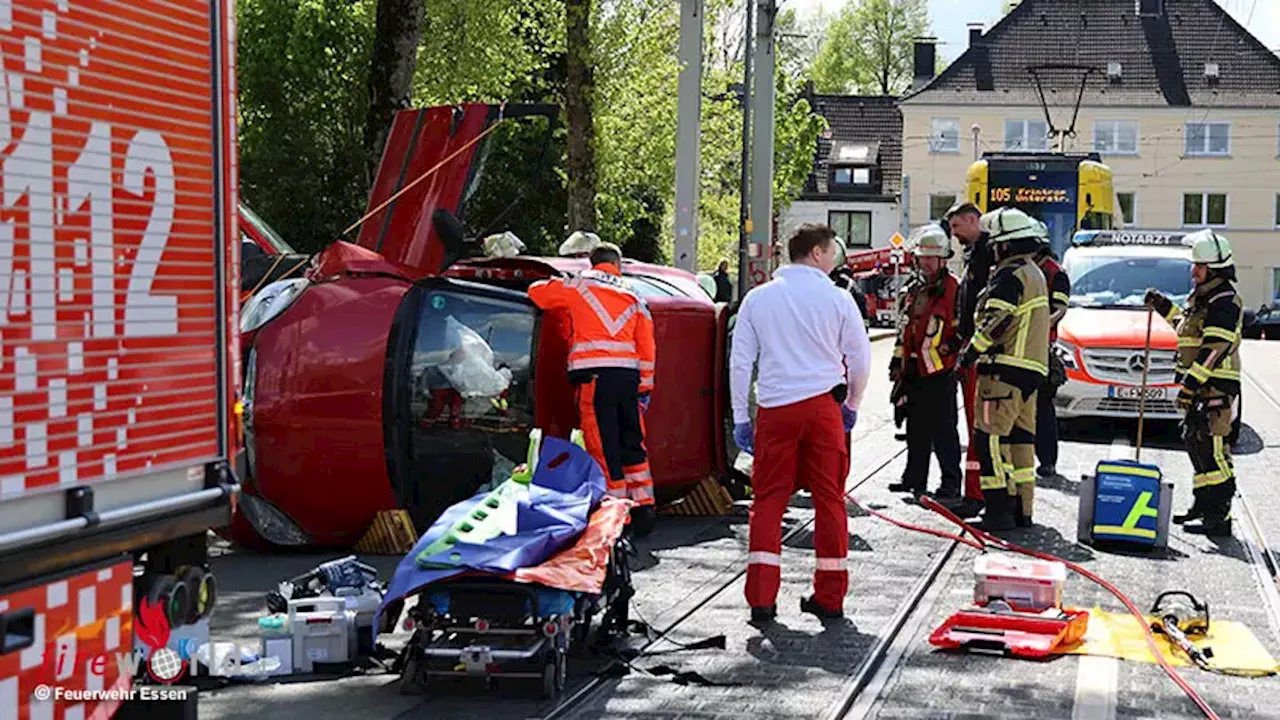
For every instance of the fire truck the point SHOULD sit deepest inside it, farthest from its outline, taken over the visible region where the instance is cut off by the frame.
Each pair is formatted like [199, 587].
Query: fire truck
[118, 273]
[879, 279]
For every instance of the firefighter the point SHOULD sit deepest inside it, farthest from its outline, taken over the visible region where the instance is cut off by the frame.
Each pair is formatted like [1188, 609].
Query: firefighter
[961, 222]
[810, 346]
[1046, 416]
[611, 364]
[1010, 347]
[842, 276]
[579, 244]
[1208, 370]
[923, 359]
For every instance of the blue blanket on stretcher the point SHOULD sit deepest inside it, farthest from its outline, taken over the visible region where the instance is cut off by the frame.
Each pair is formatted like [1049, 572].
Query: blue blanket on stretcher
[566, 486]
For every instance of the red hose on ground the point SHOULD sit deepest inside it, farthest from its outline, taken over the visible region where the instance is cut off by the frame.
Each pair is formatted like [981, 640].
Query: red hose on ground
[984, 539]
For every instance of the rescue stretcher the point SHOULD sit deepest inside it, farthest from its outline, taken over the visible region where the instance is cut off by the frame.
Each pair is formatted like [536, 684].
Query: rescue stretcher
[491, 627]
[506, 585]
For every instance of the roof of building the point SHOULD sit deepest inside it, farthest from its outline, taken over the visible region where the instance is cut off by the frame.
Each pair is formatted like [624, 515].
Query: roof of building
[871, 120]
[1162, 58]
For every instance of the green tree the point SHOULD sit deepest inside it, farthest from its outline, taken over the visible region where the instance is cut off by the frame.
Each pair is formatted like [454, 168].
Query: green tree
[303, 102]
[868, 47]
[397, 33]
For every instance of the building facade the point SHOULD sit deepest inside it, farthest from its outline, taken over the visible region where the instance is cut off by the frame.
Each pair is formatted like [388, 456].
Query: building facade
[1182, 103]
[857, 172]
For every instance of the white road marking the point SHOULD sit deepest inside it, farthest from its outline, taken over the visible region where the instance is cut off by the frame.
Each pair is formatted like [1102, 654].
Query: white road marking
[1096, 677]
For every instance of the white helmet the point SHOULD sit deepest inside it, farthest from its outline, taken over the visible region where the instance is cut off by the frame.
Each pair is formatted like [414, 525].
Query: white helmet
[1210, 248]
[579, 243]
[1006, 224]
[842, 254]
[930, 241]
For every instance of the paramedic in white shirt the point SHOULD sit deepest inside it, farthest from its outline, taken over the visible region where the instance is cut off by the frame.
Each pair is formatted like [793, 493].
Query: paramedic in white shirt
[813, 355]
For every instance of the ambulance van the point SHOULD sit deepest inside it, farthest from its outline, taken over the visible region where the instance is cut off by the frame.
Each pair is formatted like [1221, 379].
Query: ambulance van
[1101, 339]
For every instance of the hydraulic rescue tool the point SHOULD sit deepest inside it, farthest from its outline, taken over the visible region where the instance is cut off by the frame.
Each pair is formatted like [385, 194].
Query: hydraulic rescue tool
[1179, 616]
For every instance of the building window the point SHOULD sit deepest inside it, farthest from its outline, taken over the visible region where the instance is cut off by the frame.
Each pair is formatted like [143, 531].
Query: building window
[1204, 209]
[1026, 135]
[1208, 139]
[1115, 137]
[862, 176]
[853, 227]
[843, 176]
[1277, 210]
[946, 136]
[1128, 203]
[939, 205]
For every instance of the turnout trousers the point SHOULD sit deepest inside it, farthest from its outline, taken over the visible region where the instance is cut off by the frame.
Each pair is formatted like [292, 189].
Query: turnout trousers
[613, 428]
[931, 428]
[804, 441]
[1046, 426]
[1215, 475]
[972, 468]
[1005, 433]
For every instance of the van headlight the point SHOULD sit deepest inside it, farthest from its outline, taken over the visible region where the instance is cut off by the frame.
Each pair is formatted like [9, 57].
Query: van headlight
[246, 410]
[269, 302]
[1066, 353]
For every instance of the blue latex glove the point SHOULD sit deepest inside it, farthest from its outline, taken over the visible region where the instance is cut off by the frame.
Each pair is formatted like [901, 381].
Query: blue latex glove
[745, 437]
[850, 417]
[644, 403]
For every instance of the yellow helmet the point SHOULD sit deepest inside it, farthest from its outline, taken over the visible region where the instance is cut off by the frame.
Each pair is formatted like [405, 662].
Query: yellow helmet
[1210, 248]
[930, 241]
[579, 243]
[1006, 224]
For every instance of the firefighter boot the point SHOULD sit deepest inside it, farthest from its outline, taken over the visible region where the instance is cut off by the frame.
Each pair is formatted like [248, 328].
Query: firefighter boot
[1196, 511]
[962, 507]
[1216, 518]
[1025, 502]
[1000, 510]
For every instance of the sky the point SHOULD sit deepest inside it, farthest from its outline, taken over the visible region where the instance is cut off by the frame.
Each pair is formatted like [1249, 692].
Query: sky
[949, 18]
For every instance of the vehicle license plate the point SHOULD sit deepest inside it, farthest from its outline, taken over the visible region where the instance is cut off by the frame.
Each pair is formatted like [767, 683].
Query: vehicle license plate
[1132, 392]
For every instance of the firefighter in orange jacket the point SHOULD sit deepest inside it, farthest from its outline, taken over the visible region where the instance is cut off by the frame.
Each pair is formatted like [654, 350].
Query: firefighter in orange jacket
[611, 362]
[922, 364]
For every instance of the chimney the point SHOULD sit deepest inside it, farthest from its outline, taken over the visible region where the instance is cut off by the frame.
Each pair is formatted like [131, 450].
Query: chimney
[975, 34]
[926, 61]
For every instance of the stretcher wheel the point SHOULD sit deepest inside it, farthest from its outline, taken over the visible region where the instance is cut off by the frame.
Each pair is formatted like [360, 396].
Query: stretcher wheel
[554, 676]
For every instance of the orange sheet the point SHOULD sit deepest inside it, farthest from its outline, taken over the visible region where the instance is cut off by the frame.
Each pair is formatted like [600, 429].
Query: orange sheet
[583, 566]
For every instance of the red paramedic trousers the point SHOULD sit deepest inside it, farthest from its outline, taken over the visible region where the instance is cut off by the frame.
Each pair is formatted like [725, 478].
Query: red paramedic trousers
[802, 443]
[972, 480]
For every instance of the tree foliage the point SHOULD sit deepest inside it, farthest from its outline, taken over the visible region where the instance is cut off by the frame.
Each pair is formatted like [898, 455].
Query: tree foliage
[868, 47]
[304, 100]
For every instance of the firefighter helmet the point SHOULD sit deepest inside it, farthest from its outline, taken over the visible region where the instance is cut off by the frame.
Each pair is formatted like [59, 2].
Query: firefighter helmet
[930, 241]
[1006, 224]
[1210, 248]
[579, 243]
[842, 255]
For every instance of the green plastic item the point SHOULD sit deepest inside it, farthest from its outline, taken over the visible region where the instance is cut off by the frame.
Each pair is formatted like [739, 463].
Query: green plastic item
[493, 516]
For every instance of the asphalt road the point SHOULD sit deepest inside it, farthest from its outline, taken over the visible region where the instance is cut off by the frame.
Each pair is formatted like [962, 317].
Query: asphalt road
[800, 669]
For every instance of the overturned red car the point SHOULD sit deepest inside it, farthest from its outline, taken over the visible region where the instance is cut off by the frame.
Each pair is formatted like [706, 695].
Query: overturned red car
[401, 371]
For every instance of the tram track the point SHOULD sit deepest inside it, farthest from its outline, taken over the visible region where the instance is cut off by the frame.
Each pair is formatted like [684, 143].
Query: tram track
[597, 683]
[864, 690]
[1263, 559]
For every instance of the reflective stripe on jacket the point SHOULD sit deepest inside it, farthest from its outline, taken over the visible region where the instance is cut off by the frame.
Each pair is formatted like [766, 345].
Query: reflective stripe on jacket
[612, 327]
[928, 329]
[1209, 334]
[1012, 333]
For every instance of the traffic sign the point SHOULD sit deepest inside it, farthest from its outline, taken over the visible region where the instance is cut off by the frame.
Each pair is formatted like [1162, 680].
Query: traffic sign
[897, 240]
[896, 257]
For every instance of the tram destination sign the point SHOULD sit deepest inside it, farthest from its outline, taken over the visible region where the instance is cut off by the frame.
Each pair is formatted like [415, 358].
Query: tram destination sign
[1030, 195]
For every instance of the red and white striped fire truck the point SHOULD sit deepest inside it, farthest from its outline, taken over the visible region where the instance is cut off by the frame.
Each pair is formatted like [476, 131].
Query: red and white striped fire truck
[876, 276]
[118, 304]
